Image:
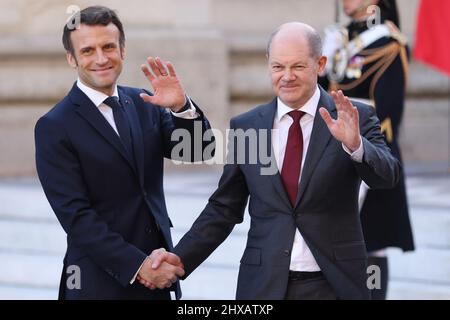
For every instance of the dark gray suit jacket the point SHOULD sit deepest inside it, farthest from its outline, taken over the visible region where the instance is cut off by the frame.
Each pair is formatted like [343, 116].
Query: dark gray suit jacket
[326, 212]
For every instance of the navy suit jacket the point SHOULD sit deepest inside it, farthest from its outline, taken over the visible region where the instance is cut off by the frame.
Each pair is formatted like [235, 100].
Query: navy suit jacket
[326, 210]
[111, 206]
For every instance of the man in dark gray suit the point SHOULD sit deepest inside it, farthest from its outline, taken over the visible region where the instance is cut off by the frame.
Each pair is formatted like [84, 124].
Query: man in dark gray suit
[305, 239]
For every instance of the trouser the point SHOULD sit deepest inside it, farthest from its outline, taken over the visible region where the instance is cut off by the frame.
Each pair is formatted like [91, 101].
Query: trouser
[309, 287]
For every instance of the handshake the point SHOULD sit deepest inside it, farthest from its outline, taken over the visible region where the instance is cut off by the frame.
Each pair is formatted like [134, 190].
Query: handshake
[160, 270]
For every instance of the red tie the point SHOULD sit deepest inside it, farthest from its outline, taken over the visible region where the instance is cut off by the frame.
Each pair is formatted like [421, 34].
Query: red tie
[290, 173]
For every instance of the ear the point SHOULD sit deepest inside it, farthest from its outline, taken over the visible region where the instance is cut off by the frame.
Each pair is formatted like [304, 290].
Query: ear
[71, 60]
[322, 63]
[122, 52]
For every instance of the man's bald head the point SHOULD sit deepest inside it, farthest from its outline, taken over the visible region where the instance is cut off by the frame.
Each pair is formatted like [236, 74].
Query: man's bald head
[295, 60]
[294, 31]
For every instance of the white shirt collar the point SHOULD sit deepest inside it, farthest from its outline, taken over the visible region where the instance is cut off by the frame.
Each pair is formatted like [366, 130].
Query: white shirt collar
[309, 107]
[95, 96]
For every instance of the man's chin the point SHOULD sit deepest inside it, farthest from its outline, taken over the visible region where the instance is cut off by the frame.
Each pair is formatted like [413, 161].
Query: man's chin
[289, 101]
[102, 86]
[104, 83]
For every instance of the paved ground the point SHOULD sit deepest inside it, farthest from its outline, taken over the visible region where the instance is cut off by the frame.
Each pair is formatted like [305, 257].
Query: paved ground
[32, 243]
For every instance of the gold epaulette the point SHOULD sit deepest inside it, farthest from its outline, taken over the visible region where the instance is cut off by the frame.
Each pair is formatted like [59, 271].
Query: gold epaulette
[396, 33]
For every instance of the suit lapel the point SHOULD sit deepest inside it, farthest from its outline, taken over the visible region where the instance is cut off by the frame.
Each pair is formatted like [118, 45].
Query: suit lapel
[93, 116]
[265, 121]
[136, 133]
[320, 136]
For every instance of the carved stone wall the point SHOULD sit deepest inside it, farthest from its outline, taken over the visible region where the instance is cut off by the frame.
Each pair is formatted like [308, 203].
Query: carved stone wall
[218, 49]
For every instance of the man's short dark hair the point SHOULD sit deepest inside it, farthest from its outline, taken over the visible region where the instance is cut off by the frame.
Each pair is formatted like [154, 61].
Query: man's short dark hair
[91, 16]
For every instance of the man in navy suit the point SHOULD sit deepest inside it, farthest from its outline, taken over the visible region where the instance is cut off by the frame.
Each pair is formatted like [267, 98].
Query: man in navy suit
[305, 239]
[99, 157]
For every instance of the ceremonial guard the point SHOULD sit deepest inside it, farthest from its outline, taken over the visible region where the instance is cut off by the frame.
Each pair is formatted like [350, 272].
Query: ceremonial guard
[368, 61]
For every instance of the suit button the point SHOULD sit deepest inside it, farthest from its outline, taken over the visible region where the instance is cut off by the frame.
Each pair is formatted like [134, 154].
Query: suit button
[148, 230]
[144, 193]
[286, 252]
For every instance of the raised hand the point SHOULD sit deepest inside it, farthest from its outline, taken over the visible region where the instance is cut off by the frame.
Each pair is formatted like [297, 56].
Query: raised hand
[166, 266]
[168, 92]
[346, 127]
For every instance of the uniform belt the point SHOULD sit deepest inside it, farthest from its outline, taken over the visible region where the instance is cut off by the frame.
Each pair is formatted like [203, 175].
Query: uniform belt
[304, 275]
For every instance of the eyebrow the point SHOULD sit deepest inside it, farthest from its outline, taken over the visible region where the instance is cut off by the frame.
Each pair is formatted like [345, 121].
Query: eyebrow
[91, 47]
[294, 64]
[110, 44]
[85, 48]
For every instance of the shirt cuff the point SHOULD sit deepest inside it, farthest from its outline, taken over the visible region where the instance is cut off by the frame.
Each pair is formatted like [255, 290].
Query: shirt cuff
[190, 113]
[137, 272]
[358, 154]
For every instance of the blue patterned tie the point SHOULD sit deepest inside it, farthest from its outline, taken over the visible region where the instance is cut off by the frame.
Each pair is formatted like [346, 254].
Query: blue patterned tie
[122, 124]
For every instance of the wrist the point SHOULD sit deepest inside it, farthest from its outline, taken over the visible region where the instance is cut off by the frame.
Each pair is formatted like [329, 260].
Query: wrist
[181, 108]
[354, 146]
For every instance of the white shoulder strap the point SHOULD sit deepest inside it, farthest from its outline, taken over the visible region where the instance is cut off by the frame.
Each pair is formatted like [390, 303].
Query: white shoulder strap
[337, 67]
[366, 38]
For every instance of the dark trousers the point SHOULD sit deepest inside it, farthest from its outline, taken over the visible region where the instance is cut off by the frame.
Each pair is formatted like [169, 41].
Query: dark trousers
[316, 288]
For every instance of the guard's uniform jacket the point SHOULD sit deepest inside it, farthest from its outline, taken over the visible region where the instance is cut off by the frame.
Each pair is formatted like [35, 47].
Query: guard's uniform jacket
[371, 64]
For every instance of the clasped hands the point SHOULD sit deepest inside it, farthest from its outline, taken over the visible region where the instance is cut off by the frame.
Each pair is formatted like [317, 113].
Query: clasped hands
[160, 270]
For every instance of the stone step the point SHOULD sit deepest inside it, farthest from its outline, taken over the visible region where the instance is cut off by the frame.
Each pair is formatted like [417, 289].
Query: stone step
[198, 286]
[430, 227]
[29, 276]
[429, 192]
[424, 265]
[46, 239]
[25, 201]
[407, 290]
[430, 230]
[30, 270]
[8, 292]
[207, 282]
[34, 237]
[210, 283]
[423, 272]
[49, 239]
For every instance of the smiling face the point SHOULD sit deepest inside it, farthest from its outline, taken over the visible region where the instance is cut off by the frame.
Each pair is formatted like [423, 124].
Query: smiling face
[98, 56]
[292, 67]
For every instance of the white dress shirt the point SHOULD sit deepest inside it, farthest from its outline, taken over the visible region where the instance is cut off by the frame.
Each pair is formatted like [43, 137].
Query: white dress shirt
[301, 257]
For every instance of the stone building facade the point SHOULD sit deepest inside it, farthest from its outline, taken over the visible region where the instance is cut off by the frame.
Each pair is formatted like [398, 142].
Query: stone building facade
[218, 49]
